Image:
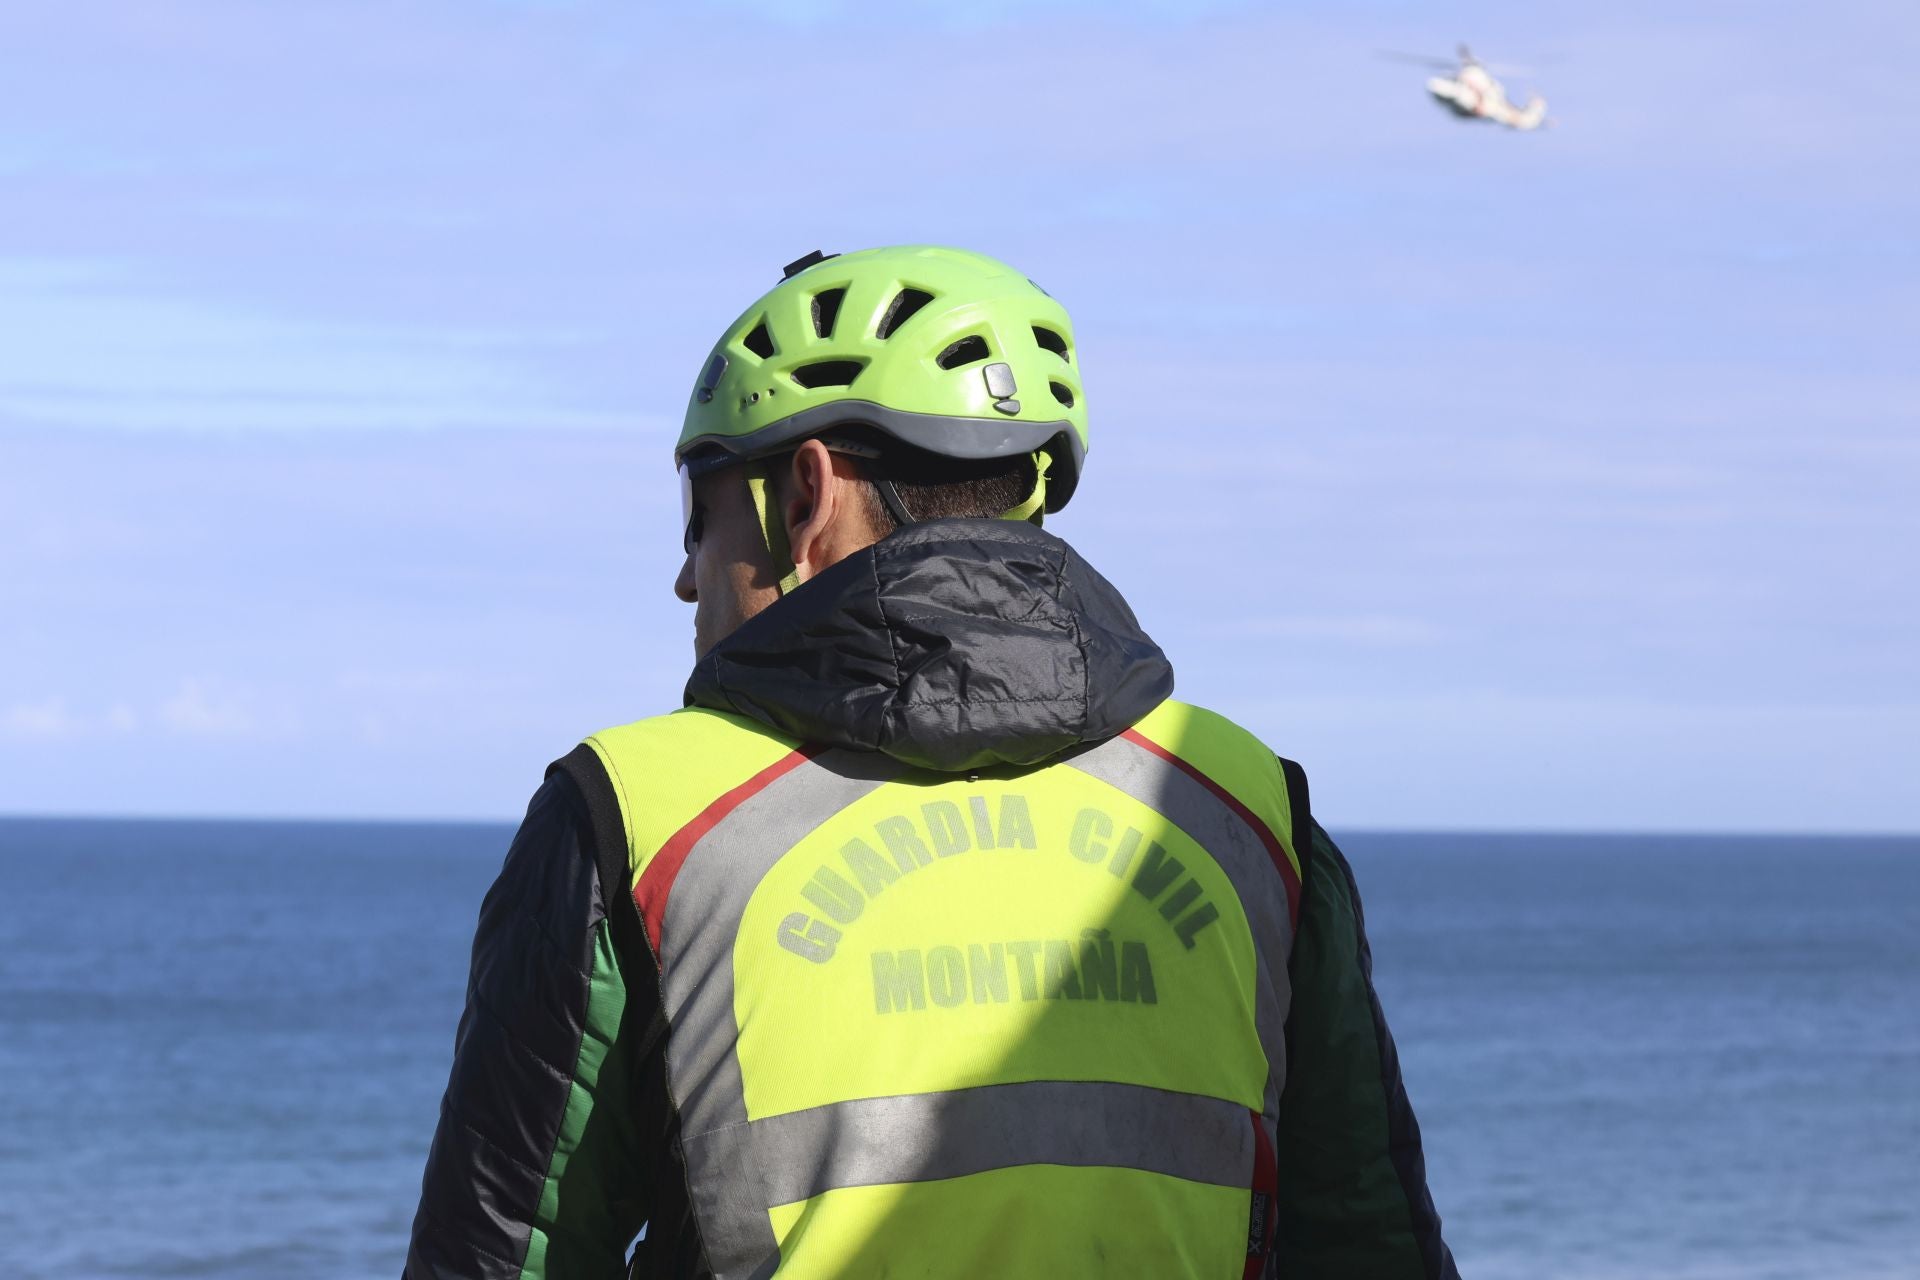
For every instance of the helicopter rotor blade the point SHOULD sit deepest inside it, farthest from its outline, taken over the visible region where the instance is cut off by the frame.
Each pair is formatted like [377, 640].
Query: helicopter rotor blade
[1419, 59]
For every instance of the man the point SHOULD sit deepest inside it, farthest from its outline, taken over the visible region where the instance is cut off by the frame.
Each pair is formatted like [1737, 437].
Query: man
[931, 938]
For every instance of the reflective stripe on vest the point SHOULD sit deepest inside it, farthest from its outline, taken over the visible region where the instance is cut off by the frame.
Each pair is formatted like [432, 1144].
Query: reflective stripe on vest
[878, 979]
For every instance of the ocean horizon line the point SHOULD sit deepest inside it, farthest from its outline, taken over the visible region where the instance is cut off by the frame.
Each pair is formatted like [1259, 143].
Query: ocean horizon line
[1343, 830]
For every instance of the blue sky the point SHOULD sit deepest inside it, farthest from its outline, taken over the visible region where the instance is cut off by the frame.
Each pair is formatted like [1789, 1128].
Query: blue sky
[1550, 481]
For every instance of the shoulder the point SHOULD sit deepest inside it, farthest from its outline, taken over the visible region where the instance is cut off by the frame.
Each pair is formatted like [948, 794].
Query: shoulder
[661, 772]
[1236, 761]
[1226, 751]
[1202, 727]
[686, 749]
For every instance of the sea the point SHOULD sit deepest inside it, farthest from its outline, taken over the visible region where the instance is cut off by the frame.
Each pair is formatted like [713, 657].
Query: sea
[222, 1045]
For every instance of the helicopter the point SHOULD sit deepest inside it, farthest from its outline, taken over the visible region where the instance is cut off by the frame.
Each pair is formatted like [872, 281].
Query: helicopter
[1472, 93]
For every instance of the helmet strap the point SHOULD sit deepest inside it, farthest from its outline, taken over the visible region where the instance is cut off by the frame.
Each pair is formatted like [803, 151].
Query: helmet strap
[896, 507]
[1036, 502]
[773, 529]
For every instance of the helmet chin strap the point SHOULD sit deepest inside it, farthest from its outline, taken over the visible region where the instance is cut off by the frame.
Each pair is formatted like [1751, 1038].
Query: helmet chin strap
[1036, 504]
[773, 529]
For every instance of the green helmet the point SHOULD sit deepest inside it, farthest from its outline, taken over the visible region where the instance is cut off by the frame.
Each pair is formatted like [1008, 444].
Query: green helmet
[946, 351]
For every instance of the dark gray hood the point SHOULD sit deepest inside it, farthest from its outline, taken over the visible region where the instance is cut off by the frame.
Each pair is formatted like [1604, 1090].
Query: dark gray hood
[949, 645]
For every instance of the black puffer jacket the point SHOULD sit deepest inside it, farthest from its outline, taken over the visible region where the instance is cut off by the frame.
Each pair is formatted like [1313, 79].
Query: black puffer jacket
[951, 645]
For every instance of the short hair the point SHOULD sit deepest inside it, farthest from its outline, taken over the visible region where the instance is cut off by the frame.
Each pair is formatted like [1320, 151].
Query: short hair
[932, 487]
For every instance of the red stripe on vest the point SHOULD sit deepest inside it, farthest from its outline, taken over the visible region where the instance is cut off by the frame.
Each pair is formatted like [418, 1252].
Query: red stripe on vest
[656, 882]
[1275, 850]
[1266, 1187]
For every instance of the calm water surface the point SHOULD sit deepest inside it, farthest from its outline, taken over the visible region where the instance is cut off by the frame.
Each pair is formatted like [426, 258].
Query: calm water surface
[222, 1045]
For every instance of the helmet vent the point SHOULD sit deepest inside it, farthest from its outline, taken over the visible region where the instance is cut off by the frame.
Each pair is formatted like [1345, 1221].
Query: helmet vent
[759, 341]
[828, 373]
[1050, 340]
[1063, 393]
[966, 351]
[826, 309]
[905, 305]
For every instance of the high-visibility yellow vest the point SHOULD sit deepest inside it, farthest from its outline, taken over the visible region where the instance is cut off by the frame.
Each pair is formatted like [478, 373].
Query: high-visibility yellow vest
[1021, 1022]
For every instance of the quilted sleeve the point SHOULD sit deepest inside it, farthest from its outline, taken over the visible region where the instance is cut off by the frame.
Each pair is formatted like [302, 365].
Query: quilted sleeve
[532, 1171]
[1352, 1196]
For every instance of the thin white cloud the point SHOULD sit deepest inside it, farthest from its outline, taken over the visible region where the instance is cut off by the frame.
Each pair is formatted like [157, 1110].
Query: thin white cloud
[94, 344]
[52, 719]
[45, 718]
[241, 413]
[1379, 630]
[197, 710]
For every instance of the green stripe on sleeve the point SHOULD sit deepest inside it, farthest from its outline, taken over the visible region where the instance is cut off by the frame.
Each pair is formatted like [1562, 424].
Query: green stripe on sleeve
[586, 1218]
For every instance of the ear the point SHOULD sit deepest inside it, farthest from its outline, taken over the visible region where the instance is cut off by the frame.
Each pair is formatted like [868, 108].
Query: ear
[814, 503]
[826, 519]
